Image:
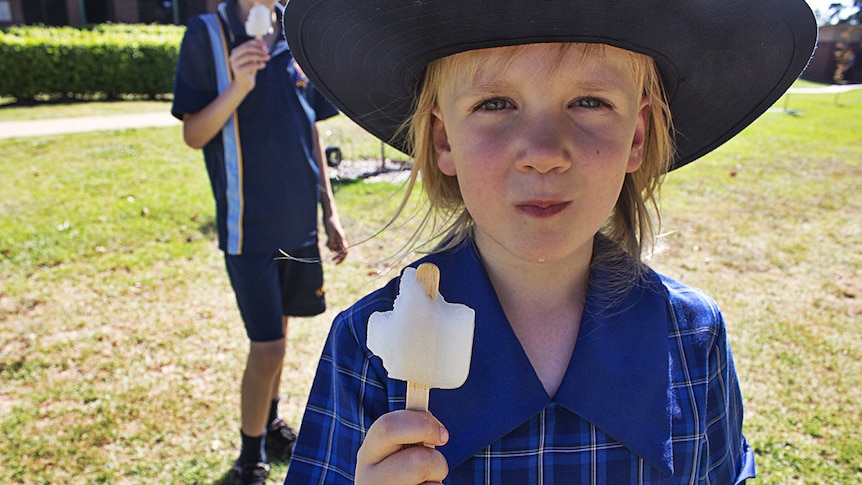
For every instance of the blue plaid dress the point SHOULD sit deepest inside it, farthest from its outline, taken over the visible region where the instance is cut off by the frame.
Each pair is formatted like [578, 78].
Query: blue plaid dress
[650, 395]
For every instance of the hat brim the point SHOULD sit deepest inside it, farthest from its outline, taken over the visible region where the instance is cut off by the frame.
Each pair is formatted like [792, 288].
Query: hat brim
[723, 62]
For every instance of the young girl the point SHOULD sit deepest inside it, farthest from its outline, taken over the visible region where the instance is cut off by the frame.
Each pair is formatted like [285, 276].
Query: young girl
[543, 129]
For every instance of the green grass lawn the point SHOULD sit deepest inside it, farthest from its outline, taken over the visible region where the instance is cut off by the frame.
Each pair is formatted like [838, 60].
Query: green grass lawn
[771, 226]
[121, 347]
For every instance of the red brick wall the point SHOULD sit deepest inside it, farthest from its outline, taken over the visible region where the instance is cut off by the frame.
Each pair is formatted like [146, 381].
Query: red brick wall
[125, 11]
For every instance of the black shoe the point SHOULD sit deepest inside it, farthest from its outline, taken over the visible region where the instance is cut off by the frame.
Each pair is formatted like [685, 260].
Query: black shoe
[250, 474]
[280, 439]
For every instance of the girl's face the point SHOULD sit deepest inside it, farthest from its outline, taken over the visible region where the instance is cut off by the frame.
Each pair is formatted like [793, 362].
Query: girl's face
[540, 139]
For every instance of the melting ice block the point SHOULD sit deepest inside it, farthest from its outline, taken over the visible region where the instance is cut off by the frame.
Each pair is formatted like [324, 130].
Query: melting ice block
[259, 21]
[424, 340]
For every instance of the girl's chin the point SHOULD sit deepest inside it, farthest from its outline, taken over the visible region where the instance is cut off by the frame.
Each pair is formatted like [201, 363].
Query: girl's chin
[547, 249]
[550, 255]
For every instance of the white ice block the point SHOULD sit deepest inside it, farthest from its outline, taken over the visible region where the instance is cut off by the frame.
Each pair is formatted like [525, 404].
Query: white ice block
[259, 21]
[424, 340]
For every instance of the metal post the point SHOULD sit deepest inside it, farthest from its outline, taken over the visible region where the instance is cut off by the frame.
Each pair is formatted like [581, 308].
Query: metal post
[82, 9]
[176, 6]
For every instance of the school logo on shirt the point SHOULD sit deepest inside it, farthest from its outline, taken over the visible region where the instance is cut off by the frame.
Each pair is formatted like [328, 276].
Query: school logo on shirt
[301, 80]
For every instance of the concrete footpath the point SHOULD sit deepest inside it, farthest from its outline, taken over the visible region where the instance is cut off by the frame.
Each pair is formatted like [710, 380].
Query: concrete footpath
[59, 126]
[832, 89]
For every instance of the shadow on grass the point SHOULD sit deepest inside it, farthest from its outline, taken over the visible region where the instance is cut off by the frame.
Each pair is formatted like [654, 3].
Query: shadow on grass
[207, 227]
[343, 182]
[355, 177]
[277, 471]
[224, 480]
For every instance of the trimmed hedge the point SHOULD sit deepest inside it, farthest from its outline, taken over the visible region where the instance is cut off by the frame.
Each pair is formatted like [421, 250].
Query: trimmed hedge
[104, 60]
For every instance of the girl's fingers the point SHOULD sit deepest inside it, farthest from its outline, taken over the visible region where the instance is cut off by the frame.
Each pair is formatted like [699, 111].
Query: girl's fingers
[387, 457]
[397, 429]
[408, 466]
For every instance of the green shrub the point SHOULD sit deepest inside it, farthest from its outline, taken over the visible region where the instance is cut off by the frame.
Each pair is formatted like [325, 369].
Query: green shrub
[101, 61]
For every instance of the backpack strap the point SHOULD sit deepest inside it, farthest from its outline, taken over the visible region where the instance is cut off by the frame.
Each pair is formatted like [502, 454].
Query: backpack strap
[230, 130]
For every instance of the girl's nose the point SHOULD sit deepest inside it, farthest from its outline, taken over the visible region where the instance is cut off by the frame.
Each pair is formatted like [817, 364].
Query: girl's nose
[544, 146]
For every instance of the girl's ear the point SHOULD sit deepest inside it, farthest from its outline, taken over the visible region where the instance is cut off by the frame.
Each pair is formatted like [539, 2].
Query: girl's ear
[445, 161]
[636, 156]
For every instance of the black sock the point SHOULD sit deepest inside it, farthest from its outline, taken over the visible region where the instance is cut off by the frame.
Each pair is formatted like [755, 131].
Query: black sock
[273, 410]
[252, 450]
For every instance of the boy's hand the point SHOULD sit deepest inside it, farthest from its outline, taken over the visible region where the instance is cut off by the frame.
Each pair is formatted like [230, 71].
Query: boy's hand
[245, 61]
[387, 456]
[336, 241]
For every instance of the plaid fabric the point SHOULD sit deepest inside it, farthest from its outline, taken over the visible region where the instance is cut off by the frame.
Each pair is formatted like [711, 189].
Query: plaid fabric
[505, 430]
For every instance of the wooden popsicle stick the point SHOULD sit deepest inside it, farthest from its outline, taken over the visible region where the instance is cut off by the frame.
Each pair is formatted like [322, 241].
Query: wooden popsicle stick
[417, 400]
[428, 276]
[417, 396]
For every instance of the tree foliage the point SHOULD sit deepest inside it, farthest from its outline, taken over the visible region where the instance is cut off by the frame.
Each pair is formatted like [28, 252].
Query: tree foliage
[839, 14]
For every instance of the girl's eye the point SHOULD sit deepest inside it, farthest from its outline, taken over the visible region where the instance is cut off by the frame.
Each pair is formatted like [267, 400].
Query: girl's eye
[590, 103]
[495, 104]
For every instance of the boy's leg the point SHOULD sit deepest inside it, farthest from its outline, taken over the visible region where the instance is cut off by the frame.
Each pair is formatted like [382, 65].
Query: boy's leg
[276, 385]
[255, 280]
[259, 381]
[302, 294]
[280, 437]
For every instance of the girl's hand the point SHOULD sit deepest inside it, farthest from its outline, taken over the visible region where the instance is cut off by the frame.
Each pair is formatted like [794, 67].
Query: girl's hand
[387, 455]
[246, 60]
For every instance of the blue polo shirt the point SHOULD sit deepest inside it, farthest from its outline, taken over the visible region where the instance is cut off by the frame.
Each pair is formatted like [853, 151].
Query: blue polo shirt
[650, 395]
[275, 206]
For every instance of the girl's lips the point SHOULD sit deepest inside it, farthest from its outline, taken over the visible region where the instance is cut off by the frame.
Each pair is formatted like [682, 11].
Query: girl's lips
[542, 209]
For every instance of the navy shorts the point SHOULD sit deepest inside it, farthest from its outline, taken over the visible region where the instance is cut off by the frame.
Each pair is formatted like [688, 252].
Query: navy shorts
[269, 286]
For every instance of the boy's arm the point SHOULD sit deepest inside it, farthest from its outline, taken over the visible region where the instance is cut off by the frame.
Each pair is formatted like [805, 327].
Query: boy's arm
[335, 238]
[245, 60]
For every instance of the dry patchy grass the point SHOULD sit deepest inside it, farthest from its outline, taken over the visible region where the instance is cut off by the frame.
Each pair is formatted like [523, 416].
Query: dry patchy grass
[121, 346]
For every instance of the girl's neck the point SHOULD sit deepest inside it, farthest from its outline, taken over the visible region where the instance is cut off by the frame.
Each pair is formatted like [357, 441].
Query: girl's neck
[525, 285]
[556, 287]
[543, 303]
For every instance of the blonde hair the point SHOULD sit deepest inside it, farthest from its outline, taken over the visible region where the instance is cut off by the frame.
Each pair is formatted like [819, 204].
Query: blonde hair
[634, 221]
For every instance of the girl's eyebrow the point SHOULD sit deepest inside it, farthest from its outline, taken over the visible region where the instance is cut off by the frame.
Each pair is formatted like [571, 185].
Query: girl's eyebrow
[482, 89]
[605, 85]
[603, 78]
[591, 76]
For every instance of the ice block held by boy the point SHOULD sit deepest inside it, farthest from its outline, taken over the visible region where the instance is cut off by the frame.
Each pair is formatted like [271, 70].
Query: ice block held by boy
[424, 340]
[259, 21]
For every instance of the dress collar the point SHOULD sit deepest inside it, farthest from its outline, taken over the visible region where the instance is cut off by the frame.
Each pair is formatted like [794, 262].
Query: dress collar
[617, 378]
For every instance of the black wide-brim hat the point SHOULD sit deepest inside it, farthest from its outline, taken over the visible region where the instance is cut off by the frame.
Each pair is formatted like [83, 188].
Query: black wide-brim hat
[723, 62]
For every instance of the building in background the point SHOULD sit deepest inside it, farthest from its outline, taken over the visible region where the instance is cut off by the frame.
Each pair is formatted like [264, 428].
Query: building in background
[841, 43]
[81, 12]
